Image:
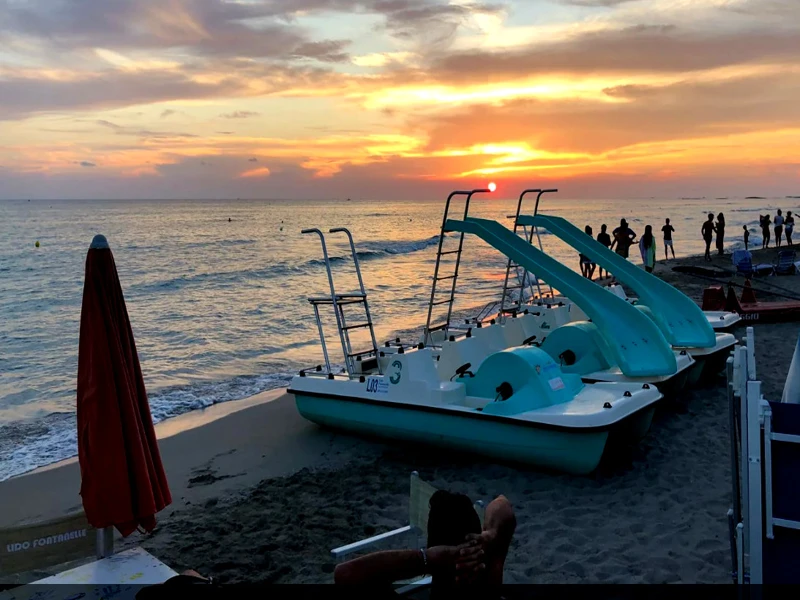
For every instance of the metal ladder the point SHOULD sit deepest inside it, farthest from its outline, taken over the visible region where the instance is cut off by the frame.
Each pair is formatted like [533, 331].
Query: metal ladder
[444, 327]
[523, 281]
[368, 359]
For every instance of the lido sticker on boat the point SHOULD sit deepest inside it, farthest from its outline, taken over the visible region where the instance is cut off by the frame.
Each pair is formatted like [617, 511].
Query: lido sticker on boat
[377, 385]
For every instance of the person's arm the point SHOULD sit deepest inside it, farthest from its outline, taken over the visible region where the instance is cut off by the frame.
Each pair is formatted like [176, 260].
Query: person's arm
[389, 566]
[499, 525]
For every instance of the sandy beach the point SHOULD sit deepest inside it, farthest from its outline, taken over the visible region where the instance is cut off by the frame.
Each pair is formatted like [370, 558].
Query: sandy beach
[261, 495]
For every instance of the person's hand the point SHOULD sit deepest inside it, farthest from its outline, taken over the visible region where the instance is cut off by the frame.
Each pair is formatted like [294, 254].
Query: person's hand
[442, 557]
[485, 539]
[448, 558]
[471, 559]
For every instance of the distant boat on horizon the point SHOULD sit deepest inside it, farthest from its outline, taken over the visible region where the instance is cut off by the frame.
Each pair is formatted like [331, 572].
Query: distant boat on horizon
[687, 198]
[755, 198]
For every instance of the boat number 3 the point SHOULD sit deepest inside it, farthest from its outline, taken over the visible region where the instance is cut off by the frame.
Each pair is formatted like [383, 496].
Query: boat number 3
[394, 378]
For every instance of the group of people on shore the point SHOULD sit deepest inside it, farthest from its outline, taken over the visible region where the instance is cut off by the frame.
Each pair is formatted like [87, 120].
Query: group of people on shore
[620, 241]
[623, 237]
[782, 226]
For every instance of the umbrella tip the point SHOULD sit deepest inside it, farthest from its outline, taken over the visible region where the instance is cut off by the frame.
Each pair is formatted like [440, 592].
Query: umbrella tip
[99, 242]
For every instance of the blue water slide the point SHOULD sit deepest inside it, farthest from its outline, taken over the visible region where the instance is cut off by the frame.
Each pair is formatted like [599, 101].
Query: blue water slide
[637, 344]
[682, 322]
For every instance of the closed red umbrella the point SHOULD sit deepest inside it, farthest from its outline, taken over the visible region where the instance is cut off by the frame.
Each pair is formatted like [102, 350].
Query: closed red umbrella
[122, 480]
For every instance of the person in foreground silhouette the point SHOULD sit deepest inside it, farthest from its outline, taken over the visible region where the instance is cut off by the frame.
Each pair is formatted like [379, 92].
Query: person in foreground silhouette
[458, 552]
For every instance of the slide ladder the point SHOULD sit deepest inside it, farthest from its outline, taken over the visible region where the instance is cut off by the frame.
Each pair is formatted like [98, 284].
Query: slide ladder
[356, 362]
[521, 272]
[637, 343]
[452, 277]
[682, 322]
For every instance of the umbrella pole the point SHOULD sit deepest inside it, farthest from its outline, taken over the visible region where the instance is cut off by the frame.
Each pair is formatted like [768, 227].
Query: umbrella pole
[105, 542]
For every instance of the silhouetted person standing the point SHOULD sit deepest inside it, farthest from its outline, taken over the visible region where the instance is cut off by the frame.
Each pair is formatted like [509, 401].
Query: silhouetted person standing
[746, 236]
[668, 231]
[721, 234]
[765, 233]
[778, 228]
[788, 227]
[647, 248]
[587, 264]
[708, 234]
[604, 239]
[624, 236]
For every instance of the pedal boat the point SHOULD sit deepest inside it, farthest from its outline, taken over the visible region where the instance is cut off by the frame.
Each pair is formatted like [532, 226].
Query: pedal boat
[519, 406]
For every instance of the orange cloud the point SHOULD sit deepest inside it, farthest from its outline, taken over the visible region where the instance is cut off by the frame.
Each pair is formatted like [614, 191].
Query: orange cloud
[259, 172]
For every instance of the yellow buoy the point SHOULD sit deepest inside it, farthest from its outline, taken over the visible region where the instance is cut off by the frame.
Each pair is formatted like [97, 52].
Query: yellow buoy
[37, 243]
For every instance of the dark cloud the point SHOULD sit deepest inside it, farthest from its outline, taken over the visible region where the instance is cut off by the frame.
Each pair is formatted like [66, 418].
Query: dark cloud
[264, 29]
[767, 8]
[204, 27]
[239, 114]
[86, 163]
[110, 90]
[329, 51]
[142, 133]
[168, 113]
[24, 95]
[252, 160]
[636, 49]
[432, 23]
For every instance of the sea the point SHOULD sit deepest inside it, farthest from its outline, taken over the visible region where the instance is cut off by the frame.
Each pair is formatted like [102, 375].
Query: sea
[217, 290]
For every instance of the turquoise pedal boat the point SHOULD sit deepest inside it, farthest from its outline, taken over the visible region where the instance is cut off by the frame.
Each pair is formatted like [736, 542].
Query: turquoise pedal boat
[519, 406]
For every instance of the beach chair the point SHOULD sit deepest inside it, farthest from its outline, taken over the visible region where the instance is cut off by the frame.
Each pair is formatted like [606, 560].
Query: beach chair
[743, 261]
[419, 497]
[765, 455]
[785, 264]
[65, 541]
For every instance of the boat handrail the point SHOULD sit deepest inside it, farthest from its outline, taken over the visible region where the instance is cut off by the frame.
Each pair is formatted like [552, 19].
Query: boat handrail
[454, 277]
[528, 238]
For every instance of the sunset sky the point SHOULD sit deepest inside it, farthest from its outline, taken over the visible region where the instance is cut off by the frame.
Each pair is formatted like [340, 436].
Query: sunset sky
[398, 98]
